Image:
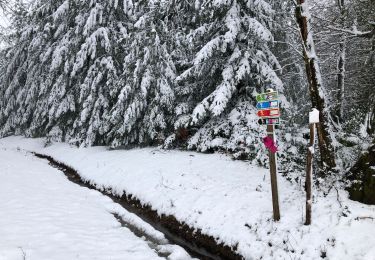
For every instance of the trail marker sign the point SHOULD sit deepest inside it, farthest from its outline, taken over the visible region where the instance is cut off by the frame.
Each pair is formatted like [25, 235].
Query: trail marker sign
[269, 121]
[268, 108]
[274, 112]
[268, 96]
[268, 104]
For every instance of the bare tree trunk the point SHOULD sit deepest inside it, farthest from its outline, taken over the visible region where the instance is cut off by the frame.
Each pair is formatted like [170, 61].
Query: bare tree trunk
[341, 64]
[341, 78]
[371, 119]
[315, 86]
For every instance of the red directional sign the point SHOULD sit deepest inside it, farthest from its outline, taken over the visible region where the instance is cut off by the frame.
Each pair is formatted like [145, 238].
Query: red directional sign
[269, 112]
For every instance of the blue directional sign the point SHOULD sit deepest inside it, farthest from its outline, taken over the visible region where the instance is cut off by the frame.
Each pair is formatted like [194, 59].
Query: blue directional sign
[268, 104]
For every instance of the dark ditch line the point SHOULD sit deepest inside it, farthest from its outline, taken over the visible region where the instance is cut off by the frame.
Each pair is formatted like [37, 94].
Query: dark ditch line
[193, 241]
[151, 242]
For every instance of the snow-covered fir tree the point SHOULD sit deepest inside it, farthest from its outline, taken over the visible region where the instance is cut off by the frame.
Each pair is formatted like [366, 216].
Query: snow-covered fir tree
[144, 105]
[62, 70]
[232, 61]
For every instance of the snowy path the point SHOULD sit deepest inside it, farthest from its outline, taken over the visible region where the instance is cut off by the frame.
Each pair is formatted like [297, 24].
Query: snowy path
[44, 216]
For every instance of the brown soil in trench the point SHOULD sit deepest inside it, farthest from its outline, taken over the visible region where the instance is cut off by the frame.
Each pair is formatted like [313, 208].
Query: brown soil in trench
[193, 241]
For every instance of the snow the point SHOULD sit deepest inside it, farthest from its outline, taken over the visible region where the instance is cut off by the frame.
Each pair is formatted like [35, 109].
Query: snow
[229, 200]
[44, 216]
[61, 10]
[314, 116]
[259, 29]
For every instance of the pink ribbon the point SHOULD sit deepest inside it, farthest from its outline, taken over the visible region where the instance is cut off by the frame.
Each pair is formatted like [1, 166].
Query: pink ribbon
[270, 144]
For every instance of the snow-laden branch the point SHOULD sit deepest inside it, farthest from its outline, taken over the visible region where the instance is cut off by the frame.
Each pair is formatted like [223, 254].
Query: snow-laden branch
[355, 32]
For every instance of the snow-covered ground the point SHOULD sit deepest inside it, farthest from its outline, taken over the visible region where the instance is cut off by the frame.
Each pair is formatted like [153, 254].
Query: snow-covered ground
[43, 216]
[229, 200]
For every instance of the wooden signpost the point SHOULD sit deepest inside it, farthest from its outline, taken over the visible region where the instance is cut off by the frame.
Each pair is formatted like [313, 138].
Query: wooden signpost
[313, 120]
[273, 172]
[269, 112]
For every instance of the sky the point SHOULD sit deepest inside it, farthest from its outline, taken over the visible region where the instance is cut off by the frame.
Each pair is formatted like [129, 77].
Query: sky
[5, 22]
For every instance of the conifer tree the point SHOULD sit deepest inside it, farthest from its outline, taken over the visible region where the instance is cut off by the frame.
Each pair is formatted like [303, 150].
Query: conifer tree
[144, 106]
[62, 69]
[230, 41]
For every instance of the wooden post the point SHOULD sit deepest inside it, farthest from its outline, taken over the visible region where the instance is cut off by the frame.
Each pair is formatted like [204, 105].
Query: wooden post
[273, 172]
[310, 154]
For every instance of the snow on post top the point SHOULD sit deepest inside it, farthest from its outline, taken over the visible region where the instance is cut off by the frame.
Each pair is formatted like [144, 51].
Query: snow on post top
[314, 116]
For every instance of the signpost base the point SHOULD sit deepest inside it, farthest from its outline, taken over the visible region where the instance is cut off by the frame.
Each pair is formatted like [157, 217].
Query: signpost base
[273, 172]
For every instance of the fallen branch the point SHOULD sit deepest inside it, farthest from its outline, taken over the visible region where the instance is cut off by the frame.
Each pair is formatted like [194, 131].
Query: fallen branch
[365, 217]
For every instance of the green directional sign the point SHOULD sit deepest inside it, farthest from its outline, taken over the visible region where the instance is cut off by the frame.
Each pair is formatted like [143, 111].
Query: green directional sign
[267, 96]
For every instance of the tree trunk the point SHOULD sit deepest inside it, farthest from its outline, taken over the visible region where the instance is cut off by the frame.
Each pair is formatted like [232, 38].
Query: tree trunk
[363, 176]
[371, 119]
[341, 64]
[315, 87]
[341, 79]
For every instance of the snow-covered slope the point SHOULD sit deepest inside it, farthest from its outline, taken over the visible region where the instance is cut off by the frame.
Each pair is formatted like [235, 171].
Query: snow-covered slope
[229, 200]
